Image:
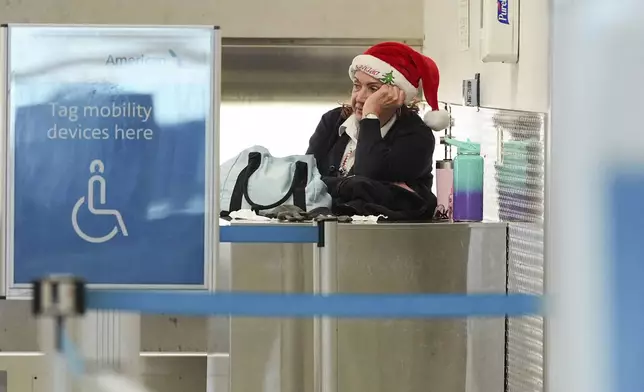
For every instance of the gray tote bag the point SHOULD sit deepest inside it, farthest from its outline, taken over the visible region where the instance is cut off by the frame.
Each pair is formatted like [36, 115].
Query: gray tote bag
[258, 181]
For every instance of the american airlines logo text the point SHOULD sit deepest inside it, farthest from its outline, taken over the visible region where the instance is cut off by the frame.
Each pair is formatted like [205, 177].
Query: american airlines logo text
[142, 59]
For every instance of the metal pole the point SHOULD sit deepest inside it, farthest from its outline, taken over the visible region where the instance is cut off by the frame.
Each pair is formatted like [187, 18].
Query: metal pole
[214, 262]
[4, 131]
[55, 300]
[317, 325]
[60, 378]
[291, 332]
[326, 328]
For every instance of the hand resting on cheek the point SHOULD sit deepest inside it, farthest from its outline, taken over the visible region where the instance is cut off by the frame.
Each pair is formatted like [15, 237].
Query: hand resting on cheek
[387, 98]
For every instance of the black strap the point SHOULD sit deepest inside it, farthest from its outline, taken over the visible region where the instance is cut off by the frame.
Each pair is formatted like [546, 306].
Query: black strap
[238, 191]
[297, 188]
[300, 180]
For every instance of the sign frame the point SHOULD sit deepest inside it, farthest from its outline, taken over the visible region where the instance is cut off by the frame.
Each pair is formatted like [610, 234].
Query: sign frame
[15, 290]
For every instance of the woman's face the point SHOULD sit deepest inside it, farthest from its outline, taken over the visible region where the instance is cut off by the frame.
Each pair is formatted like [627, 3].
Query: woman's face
[363, 86]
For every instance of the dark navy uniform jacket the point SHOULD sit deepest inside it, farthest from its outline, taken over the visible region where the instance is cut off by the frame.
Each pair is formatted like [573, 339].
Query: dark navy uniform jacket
[403, 155]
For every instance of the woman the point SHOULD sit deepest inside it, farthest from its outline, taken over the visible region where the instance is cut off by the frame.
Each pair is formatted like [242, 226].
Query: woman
[375, 154]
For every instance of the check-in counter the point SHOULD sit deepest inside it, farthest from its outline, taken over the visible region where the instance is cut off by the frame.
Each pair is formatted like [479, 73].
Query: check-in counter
[451, 355]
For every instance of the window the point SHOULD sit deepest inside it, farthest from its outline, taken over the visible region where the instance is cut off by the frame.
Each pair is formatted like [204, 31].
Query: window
[284, 128]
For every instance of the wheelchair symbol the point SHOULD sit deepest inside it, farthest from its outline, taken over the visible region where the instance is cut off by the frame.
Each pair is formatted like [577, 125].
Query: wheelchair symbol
[97, 168]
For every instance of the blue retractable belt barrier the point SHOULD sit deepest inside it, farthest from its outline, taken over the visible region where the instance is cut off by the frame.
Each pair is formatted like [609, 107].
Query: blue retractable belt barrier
[309, 305]
[269, 234]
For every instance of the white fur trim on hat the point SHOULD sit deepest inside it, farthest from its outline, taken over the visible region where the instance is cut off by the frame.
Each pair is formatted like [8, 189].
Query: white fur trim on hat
[377, 68]
[437, 120]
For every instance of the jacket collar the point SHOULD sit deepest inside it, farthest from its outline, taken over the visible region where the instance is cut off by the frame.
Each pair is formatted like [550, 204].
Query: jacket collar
[350, 126]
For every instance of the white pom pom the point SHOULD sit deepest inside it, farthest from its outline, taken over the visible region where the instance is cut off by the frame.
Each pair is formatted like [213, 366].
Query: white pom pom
[437, 120]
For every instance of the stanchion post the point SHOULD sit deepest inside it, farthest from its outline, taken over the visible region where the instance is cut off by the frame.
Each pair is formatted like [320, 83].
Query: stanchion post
[4, 91]
[58, 298]
[213, 363]
[325, 282]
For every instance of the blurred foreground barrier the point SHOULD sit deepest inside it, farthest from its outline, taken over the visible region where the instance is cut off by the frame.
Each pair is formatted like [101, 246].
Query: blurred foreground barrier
[311, 305]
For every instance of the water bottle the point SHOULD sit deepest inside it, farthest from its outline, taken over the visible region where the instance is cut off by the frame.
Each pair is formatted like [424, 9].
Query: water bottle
[468, 181]
[444, 189]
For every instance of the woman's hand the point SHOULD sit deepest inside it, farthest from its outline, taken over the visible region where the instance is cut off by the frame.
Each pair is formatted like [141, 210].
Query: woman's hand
[387, 98]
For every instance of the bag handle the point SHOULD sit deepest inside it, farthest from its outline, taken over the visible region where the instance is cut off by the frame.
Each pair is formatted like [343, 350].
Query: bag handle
[297, 188]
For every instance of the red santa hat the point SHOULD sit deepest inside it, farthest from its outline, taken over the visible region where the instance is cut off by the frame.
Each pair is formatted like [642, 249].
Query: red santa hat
[400, 65]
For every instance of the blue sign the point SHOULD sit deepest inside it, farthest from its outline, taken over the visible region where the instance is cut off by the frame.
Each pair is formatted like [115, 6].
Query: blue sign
[502, 13]
[110, 133]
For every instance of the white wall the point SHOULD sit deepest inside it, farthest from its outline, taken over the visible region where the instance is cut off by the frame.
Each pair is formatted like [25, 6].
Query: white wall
[240, 131]
[238, 18]
[522, 86]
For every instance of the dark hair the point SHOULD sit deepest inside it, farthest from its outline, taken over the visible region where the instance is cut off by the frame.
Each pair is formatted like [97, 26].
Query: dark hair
[405, 110]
